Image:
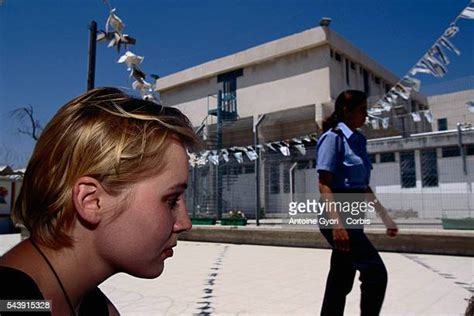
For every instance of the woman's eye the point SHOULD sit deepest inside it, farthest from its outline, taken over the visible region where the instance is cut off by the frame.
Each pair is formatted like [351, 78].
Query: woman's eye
[173, 203]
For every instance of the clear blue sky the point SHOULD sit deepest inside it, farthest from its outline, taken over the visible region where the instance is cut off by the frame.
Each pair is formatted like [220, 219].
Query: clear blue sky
[43, 43]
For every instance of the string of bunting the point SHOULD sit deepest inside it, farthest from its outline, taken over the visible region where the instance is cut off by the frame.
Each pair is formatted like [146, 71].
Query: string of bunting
[115, 36]
[238, 152]
[433, 62]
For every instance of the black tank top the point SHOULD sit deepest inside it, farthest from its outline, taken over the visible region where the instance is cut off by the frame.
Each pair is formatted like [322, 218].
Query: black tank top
[15, 284]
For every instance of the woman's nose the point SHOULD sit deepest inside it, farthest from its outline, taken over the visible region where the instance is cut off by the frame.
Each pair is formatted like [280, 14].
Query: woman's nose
[183, 222]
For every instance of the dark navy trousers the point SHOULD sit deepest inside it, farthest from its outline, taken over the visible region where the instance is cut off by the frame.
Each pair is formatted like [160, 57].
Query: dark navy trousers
[362, 257]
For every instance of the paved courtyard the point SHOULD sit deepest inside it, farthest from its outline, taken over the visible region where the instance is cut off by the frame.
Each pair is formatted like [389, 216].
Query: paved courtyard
[229, 279]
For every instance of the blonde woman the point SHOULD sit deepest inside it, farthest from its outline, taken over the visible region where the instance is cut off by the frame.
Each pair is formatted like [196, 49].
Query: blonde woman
[102, 194]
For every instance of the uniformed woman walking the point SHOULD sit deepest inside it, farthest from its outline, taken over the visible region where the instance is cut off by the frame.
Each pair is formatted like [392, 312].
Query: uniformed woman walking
[344, 169]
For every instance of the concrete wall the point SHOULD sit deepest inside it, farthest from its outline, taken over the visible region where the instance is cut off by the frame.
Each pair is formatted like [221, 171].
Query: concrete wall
[193, 99]
[286, 82]
[434, 242]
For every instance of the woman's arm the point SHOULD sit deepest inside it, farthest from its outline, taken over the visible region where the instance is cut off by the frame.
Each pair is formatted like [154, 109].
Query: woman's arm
[339, 233]
[392, 229]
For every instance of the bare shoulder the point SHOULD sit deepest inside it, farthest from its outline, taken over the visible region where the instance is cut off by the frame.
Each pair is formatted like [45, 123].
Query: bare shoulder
[15, 257]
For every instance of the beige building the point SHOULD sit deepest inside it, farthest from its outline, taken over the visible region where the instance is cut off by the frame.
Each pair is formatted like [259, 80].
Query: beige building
[293, 80]
[451, 108]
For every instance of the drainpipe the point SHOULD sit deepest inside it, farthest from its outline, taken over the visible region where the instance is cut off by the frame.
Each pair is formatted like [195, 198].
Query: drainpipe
[292, 189]
[257, 167]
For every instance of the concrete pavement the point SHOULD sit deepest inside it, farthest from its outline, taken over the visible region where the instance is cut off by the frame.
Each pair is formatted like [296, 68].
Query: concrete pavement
[231, 279]
[228, 279]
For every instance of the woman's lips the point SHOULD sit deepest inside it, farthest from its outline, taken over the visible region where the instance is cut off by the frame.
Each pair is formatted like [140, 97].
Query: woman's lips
[168, 252]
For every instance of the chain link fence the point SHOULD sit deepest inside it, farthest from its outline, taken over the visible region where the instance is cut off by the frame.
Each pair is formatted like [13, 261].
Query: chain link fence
[421, 188]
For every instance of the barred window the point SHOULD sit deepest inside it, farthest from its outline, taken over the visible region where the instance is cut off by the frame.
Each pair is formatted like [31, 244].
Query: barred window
[451, 151]
[387, 157]
[250, 168]
[286, 178]
[407, 169]
[275, 178]
[470, 149]
[429, 168]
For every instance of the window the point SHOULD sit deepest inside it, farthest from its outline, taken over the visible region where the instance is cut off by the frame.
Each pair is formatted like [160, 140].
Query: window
[442, 124]
[249, 168]
[286, 178]
[331, 53]
[304, 164]
[275, 178]
[429, 168]
[348, 79]
[451, 151]
[338, 57]
[366, 82]
[353, 66]
[387, 157]
[229, 89]
[377, 80]
[235, 170]
[413, 106]
[372, 158]
[225, 171]
[470, 149]
[407, 169]
[387, 88]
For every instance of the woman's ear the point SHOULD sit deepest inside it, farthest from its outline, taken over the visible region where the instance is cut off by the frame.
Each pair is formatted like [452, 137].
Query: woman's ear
[346, 112]
[88, 198]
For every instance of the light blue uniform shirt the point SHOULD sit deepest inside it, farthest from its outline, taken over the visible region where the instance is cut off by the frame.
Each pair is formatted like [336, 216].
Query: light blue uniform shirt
[348, 161]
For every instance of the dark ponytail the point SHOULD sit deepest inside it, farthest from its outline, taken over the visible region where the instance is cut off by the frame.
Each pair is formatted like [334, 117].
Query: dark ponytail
[349, 99]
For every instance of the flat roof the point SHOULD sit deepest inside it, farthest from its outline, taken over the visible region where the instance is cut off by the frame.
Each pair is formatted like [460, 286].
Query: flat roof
[305, 40]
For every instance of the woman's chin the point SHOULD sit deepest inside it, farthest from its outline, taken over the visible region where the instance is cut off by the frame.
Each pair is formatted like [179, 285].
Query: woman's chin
[151, 272]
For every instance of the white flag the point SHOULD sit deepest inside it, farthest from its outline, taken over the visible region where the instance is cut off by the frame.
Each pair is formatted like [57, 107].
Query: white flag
[238, 157]
[385, 122]
[285, 150]
[130, 59]
[416, 116]
[468, 13]
[301, 149]
[428, 116]
[251, 154]
[115, 22]
[375, 123]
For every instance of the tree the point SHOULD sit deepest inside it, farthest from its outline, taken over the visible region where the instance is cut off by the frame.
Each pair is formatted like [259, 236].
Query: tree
[31, 126]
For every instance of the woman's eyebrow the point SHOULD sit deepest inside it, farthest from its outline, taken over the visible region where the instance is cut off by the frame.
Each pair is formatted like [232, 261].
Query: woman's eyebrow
[178, 187]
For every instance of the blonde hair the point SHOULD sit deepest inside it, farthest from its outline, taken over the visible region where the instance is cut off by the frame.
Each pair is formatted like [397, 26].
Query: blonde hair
[103, 133]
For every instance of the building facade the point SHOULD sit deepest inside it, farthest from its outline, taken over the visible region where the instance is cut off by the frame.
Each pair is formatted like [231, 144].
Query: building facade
[451, 108]
[294, 82]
